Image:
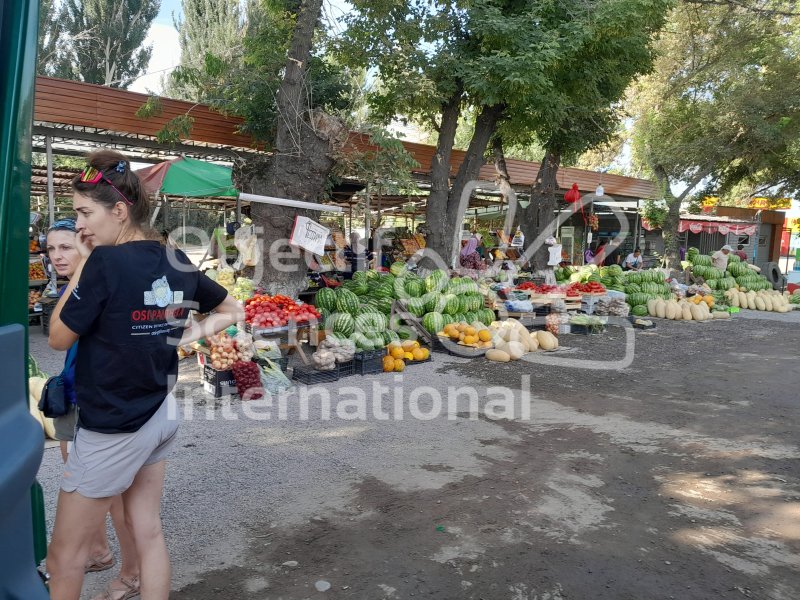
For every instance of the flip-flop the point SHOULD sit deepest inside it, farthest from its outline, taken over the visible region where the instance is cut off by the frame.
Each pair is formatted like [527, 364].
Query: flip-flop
[130, 590]
[96, 564]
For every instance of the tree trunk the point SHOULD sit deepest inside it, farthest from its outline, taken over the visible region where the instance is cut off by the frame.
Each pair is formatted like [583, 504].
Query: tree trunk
[299, 166]
[447, 218]
[503, 181]
[538, 220]
[669, 229]
[436, 207]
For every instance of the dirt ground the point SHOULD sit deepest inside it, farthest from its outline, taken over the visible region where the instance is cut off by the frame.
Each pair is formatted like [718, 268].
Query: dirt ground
[675, 478]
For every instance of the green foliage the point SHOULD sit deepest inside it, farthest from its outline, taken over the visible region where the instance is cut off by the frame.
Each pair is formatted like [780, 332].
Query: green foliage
[654, 211]
[721, 104]
[104, 39]
[211, 37]
[50, 59]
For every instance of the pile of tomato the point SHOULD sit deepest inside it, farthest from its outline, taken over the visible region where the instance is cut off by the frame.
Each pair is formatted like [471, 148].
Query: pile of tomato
[268, 312]
[592, 287]
[538, 289]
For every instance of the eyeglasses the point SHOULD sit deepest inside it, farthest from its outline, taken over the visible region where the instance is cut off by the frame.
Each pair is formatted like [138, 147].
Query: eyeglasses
[64, 225]
[94, 176]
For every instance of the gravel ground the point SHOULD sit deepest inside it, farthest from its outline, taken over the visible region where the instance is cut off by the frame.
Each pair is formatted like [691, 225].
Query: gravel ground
[675, 477]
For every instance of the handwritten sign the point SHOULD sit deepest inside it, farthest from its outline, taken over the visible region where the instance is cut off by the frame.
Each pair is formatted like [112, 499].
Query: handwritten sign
[309, 235]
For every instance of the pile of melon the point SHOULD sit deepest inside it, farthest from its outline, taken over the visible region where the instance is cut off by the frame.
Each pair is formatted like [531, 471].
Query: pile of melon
[512, 341]
[769, 300]
[475, 335]
[684, 310]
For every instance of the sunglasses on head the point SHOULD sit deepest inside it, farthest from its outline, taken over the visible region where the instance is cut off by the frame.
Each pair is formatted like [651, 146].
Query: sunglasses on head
[94, 176]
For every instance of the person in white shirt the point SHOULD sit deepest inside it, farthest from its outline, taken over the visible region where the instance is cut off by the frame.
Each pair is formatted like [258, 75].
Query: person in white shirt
[634, 261]
[720, 258]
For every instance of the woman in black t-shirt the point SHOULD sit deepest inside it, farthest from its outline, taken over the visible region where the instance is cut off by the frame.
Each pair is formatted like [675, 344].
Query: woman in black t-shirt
[128, 303]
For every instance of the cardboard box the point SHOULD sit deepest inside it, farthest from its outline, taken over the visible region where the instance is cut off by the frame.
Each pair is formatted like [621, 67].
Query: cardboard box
[218, 383]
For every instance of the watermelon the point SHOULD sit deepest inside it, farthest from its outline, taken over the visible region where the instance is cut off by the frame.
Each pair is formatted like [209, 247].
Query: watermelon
[633, 288]
[640, 310]
[733, 258]
[433, 322]
[486, 316]
[434, 302]
[448, 319]
[384, 305]
[346, 301]
[325, 299]
[415, 287]
[459, 318]
[452, 304]
[470, 317]
[416, 306]
[703, 260]
[397, 269]
[373, 275]
[360, 276]
[341, 323]
[436, 281]
[389, 336]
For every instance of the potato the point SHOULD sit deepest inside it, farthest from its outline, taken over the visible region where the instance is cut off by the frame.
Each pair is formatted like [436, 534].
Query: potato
[516, 350]
[498, 355]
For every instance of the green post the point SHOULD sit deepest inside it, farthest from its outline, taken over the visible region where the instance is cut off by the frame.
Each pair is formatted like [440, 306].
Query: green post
[22, 525]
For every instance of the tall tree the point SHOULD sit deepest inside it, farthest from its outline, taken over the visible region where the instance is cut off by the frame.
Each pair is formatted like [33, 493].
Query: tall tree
[518, 65]
[583, 112]
[436, 59]
[106, 39]
[721, 107]
[207, 28]
[51, 60]
[304, 146]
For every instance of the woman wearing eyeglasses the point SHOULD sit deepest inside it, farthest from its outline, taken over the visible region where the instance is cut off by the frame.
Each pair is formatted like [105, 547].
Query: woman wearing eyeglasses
[128, 304]
[63, 253]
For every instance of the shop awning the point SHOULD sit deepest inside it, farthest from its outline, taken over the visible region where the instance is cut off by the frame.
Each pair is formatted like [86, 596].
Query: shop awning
[711, 225]
[188, 177]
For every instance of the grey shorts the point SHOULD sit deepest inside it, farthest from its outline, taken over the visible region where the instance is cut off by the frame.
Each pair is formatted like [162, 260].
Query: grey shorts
[65, 426]
[102, 465]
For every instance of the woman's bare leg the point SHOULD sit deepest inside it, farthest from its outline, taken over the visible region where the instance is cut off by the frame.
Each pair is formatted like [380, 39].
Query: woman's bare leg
[127, 547]
[77, 520]
[98, 548]
[143, 514]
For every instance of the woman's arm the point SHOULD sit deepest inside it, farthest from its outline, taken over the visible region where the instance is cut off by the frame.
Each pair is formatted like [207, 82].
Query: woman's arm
[228, 313]
[62, 337]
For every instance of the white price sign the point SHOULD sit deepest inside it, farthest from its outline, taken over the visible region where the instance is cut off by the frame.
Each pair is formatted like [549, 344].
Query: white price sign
[309, 235]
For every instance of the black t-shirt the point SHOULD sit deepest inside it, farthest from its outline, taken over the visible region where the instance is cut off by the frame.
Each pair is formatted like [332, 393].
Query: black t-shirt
[129, 309]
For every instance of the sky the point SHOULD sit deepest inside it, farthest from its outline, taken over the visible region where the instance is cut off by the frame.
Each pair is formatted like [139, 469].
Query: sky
[166, 49]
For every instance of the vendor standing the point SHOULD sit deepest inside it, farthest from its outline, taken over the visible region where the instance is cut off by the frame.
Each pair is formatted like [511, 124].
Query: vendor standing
[634, 261]
[720, 258]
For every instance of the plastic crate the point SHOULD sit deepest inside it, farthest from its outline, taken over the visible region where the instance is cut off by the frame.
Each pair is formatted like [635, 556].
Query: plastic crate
[586, 329]
[311, 376]
[368, 366]
[345, 369]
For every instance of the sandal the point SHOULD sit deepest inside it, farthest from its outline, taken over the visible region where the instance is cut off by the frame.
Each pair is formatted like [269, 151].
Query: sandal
[129, 590]
[96, 564]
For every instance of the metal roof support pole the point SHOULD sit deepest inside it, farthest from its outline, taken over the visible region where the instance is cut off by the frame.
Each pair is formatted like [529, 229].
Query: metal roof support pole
[238, 209]
[366, 215]
[184, 221]
[51, 195]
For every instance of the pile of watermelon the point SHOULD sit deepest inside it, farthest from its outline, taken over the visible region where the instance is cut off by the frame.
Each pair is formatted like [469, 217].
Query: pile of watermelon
[642, 286]
[738, 275]
[359, 309]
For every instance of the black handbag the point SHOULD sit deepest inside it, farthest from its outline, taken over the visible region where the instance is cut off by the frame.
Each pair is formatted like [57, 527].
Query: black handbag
[53, 402]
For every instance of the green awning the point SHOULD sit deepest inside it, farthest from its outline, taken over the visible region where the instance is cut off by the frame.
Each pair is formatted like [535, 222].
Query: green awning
[188, 177]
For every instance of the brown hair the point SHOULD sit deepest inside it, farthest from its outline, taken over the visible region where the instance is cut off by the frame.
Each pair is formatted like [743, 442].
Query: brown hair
[115, 168]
